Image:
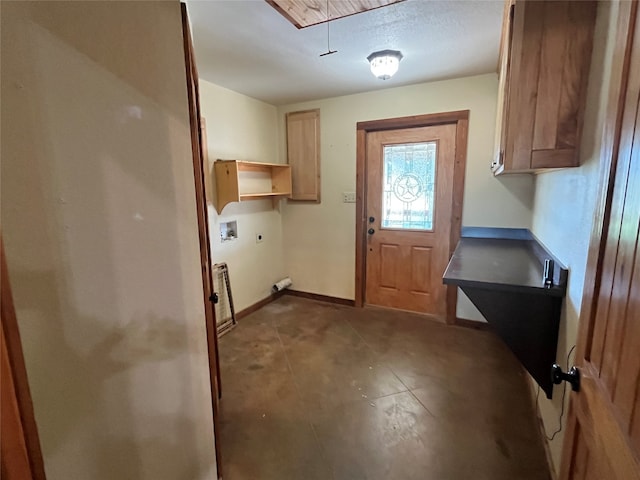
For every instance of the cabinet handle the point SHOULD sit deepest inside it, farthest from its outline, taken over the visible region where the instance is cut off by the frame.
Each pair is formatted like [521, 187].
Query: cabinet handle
[498, 160]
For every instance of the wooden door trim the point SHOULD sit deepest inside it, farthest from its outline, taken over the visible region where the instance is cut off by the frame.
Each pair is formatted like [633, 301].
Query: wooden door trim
[203, 228]
[18, 369]
[627, 16]
[459, 118]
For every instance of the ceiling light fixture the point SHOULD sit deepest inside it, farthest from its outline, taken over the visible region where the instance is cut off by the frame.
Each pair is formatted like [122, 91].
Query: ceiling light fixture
[384, 64]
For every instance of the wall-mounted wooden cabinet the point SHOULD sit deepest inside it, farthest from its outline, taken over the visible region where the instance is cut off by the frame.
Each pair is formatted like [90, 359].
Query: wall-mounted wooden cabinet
[544, 67]
[237, 181]
[303, 154]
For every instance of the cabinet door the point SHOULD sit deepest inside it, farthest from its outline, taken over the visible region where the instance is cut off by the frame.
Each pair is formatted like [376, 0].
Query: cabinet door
[544, 70]
[303, 154]
[565, 59]
[526, 37]
[503, 87]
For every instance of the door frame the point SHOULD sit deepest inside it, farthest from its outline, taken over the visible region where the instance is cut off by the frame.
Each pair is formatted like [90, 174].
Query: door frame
[19, 433]
[460, 119]
[197, 142]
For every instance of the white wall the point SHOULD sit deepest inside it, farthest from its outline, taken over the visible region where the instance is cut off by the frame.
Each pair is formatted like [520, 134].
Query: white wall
[564, 205]
[242, 128]
[319, 240]
[99, 224]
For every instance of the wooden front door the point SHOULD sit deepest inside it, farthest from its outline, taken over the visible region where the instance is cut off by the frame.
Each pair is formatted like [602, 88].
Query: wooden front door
[603, 435]
[408, 209]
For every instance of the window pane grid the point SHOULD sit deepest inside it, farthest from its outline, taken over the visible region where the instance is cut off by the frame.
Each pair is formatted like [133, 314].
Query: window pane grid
[408, 186]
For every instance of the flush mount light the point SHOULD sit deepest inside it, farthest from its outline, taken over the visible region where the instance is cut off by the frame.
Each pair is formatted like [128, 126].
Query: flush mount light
[384, 64]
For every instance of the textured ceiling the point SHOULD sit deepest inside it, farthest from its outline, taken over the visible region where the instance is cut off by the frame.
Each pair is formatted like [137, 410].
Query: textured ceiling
[248, 47]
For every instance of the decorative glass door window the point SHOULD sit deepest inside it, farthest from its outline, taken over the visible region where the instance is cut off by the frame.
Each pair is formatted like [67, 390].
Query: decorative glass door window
[408, 186]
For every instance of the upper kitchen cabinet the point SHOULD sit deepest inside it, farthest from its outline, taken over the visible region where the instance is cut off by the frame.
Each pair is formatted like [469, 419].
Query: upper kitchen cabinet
[303, 154]
[544, 67]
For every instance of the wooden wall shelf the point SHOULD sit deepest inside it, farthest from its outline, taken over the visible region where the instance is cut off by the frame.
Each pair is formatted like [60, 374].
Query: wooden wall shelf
[237, 181]
[501, 271]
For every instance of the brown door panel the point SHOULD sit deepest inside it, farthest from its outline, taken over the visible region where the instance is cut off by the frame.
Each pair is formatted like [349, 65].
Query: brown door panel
[603, 428]
[405, 263]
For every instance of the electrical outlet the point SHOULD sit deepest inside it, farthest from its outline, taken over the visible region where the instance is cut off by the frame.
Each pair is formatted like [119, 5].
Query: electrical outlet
[259, 238]
[348, 197]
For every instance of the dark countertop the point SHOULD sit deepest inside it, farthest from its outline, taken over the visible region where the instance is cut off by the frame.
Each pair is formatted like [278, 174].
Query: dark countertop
[506, 264]
[501, 271]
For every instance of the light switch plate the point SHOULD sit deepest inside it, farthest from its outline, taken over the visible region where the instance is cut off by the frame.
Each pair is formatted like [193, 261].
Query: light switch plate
[348, 197]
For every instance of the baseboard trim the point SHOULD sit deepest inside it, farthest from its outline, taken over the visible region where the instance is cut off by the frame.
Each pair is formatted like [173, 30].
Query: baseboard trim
[460, 322]
[258, 305]
[321, 298]
[463, 322]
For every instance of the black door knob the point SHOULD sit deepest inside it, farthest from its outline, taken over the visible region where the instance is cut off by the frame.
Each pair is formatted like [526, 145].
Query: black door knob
[572, 376]
[214, 297]
[371, 219]
[371, 231]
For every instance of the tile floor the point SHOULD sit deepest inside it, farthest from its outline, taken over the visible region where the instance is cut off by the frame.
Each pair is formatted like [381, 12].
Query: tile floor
[314, 390]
